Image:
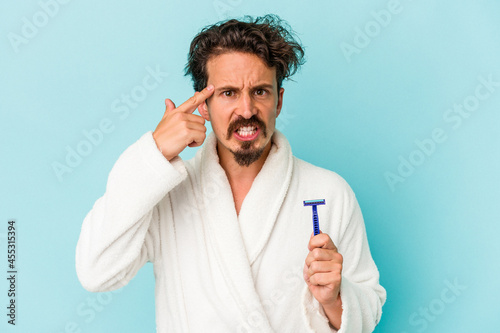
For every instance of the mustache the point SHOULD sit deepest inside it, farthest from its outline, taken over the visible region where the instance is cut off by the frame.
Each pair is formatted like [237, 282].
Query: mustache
[241, 122]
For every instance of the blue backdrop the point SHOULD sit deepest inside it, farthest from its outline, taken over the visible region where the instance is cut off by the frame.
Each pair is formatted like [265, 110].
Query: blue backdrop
[399, 97]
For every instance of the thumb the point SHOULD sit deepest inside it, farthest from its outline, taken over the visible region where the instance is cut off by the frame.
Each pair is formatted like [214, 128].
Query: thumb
[169, 106]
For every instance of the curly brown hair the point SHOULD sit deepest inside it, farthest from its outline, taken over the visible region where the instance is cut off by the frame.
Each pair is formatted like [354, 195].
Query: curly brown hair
[268, 37]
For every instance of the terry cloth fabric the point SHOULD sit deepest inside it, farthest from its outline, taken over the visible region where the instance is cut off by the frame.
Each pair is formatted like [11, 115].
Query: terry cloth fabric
[217, 271]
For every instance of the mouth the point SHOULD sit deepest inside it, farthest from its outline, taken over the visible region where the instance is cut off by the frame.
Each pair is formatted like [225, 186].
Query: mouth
[247, 133]
[246, 129]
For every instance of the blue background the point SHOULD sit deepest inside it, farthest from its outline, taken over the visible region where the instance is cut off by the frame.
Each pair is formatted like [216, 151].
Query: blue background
[357, 113]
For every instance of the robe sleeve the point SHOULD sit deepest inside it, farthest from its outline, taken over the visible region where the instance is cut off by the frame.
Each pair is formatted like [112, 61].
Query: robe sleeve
[120, 233]
[362, 295]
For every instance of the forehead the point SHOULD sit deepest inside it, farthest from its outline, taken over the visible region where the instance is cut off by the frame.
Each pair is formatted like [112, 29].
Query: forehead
[238, 68]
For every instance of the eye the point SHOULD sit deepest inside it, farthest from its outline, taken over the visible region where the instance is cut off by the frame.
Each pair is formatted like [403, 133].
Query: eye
[260, 92]
[228, 93]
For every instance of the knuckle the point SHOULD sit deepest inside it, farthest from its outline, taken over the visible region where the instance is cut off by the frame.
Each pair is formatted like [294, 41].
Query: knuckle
[340, 258]
[193, 99]
[316, 253]
[185, 132]
[177, 116]
[314, 267]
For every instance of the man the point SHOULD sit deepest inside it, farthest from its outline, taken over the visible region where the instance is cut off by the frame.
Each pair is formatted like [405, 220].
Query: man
[226, 231]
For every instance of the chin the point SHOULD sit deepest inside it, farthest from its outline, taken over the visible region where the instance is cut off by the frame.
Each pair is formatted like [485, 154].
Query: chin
[245, 157]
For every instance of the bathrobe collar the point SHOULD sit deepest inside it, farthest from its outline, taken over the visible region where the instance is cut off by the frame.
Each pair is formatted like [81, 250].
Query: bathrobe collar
[238, 241]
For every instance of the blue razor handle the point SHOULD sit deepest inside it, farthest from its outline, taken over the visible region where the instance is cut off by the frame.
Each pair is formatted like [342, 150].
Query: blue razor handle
[314, 204]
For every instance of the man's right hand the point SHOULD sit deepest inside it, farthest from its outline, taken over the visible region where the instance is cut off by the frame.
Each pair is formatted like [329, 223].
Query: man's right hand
[179, 127]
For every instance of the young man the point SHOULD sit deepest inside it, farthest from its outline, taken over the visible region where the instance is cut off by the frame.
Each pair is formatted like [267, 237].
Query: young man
[227, 231]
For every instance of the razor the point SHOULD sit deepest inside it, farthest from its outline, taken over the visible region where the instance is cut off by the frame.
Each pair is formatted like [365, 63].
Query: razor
[314, 204]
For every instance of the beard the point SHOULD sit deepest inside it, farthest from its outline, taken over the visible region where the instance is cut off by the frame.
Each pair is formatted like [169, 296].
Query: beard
[247, 154]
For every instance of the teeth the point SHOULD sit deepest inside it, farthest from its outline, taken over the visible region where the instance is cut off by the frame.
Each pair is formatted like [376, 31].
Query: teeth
[247, 130]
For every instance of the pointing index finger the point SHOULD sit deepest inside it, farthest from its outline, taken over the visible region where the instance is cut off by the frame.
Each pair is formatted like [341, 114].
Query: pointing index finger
[194, 101]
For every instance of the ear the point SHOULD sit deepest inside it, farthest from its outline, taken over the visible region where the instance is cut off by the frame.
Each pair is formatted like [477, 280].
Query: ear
[280, 101]
[203, 109]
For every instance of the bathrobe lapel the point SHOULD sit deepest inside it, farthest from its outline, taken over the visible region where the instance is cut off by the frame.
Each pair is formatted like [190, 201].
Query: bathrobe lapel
[263, 202]
[236, 253]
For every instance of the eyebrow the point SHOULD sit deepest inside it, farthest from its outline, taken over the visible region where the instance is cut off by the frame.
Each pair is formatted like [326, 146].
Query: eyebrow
[259, 86]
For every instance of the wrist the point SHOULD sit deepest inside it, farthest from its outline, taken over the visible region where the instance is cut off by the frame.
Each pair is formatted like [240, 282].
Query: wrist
[161, 149]
[333, 311]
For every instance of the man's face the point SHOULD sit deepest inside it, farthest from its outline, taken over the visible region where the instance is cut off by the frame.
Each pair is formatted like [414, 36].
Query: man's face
[244, 106]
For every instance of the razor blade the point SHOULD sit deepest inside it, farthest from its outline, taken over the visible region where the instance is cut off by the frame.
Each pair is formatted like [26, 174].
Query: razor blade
[314, 204]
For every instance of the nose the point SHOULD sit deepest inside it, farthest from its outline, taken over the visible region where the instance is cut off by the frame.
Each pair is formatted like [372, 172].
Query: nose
[246, 107]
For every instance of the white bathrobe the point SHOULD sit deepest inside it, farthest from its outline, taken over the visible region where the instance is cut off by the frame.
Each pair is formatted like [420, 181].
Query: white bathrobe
[216, 271]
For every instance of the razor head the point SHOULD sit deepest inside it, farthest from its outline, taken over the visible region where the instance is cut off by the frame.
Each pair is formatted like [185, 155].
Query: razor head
[314, 202]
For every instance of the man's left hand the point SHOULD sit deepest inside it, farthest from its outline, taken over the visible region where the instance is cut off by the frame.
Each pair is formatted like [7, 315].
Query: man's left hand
[323, 270]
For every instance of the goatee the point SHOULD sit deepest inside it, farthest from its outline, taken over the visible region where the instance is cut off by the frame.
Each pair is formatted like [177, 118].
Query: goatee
[246, 155]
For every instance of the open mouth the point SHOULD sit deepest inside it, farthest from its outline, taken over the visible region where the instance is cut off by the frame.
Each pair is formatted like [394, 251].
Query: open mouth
[246, 129]
[246, 133]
